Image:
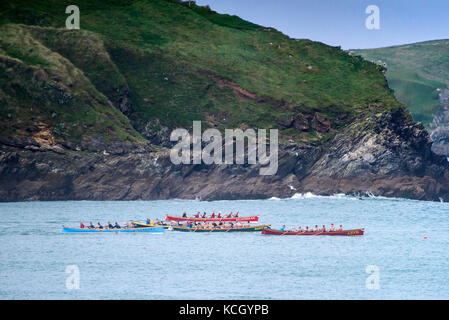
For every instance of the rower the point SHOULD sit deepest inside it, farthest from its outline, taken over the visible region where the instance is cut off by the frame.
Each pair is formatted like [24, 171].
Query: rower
[306, 229]
[110, 226]
[184, 215]
[229, 215]
[283, 228]
[117, 226]
[204, 215]
[219, 214]
[99, 226]
[236, 215]
[81, 225]
[197, 215]
[213, 214]
[91, 226]
[323, 229]
[332, 228]
[299, 229]
[148, 221]
[316, 228]
[340, 228]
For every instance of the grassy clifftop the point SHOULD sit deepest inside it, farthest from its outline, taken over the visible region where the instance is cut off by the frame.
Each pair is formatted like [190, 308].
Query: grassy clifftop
[41, 91]
[415, 72]
[139, 64]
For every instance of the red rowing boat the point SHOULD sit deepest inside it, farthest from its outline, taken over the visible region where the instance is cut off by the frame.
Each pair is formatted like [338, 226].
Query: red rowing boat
[232, 219]
[353, 232]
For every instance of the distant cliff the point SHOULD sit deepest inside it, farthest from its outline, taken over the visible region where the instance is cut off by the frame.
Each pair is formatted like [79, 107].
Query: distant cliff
[419, 75]
[87, 114]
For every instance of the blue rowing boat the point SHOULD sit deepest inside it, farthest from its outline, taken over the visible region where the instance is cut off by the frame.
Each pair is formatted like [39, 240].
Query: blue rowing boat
[157, 230]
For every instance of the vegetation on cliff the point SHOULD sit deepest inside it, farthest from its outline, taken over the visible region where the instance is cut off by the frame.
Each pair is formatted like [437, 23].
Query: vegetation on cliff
[416, 72]
[137, 66]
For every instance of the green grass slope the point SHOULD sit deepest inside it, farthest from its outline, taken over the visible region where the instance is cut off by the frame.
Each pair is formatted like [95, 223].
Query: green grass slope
[41, 90]
[415, 72]
[157, 59]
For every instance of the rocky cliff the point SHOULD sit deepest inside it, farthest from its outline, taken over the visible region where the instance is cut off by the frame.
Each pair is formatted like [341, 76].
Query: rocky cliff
[389, 156]
[87, 114]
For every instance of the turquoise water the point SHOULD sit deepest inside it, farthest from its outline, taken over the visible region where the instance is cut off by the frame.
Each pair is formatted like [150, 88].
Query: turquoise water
[34, 253]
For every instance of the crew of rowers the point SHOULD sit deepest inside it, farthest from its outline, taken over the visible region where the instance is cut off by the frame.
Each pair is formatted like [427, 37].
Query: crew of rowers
[213, 215]
[125, 225]
[315, 229]
[108, 226]
[155, 222]
[215, 225]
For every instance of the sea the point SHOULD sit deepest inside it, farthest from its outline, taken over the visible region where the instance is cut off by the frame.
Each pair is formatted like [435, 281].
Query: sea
[404, 253]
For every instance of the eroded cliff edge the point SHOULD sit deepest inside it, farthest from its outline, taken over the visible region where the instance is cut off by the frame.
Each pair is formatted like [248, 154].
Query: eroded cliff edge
[389, 156]
[86, 114]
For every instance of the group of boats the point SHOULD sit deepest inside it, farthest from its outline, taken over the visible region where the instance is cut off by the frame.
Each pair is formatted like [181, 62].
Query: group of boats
[213, 223]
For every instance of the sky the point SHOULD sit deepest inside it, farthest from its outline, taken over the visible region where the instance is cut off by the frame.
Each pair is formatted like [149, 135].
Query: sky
[343, 22]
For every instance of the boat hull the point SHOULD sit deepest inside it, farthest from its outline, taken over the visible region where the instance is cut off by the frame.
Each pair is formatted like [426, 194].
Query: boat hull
[158, 230]
[352, 232]
[235, 229]
[144, 225]
[233, 219]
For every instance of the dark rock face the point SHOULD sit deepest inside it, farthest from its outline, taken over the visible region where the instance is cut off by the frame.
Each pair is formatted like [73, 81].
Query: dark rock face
[385, 154]
[391, 156]
[157, 133]
[123, 103]
[301, 123]
[440, 138]
[321, 124]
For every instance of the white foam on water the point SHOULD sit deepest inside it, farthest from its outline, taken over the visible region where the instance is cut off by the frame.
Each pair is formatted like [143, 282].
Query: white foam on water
[310, 195]
[366, 195]
[307, 195]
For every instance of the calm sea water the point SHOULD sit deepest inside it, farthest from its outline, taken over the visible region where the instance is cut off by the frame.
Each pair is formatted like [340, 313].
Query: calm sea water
[34, 253]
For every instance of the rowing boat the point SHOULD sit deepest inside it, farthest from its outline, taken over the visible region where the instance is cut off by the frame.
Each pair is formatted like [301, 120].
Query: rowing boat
[144, 225]
[234, 229]
[157, 230]
[232, 219]
[352, 232]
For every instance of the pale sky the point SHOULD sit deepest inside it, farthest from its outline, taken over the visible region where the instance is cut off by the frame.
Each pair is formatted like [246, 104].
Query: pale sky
[342, 22]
